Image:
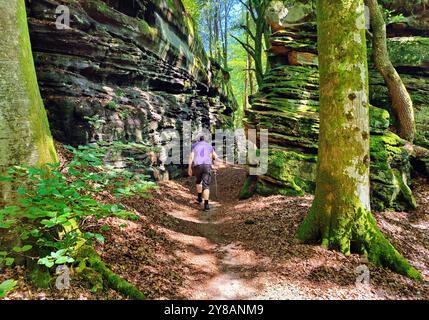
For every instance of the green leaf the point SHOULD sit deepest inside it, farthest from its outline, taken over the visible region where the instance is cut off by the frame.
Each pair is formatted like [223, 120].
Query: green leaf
[9, 261]
[46, 262]
[23, 248]
[21, 191]
[59, 253]
[47, 223]
[88, 235]
[61, 260]
[6, 286]
[99, 238]
[6, 179]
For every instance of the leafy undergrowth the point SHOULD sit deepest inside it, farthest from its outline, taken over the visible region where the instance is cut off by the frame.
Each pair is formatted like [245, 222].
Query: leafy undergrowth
[42, 226]
[240, 250]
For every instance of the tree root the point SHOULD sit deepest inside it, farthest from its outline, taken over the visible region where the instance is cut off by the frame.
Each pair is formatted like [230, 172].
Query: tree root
[364, 238]
[379, 250]
[89, 257]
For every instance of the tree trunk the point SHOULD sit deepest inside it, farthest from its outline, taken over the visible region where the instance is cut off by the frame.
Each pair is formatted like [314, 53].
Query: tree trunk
[216, 39]
[259, 70]
[340, 217]
[247, 71]
[402, 104]
[24, 131]
[225, 36]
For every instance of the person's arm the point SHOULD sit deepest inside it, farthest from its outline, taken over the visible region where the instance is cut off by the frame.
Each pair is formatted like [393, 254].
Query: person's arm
[190, 160]
[214, 155]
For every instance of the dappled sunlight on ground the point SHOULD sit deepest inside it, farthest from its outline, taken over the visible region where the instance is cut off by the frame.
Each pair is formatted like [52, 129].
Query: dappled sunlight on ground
[247, 249]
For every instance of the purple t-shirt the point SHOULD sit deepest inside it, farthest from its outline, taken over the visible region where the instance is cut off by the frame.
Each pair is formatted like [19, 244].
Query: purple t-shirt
[202, 153]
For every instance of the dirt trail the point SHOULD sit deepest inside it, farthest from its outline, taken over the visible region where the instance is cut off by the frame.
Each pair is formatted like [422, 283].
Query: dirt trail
[240, 249]
[247, 250]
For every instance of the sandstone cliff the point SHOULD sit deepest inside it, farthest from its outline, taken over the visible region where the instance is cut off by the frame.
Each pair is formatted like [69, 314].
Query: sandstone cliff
[287, 104]
[124, 71]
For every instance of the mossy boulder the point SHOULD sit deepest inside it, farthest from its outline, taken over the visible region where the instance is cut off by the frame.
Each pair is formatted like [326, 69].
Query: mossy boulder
[390, 173]
[248, 189]
[379, 120]
[287, 105]
[289, 173]
[409, 51]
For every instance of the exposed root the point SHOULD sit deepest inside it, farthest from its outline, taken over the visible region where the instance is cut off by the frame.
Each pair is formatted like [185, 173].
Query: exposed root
[361, 235]
[378, 249]
[88, 255]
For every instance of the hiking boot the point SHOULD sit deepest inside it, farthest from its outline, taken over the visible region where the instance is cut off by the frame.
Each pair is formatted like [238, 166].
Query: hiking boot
[206, 206]
[200, 198]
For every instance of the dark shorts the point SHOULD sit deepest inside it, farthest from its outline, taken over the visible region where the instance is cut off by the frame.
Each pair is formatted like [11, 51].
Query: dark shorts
[203, 173]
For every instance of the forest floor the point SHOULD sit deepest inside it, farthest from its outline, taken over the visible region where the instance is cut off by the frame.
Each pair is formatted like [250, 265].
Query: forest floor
[242, 249]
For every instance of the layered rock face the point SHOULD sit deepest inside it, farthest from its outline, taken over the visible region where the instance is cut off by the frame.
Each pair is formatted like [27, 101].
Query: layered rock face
[287, 104]
[408, 44]
[124, 71]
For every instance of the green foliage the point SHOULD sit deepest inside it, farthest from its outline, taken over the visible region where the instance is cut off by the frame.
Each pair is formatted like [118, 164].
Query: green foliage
[390, 16]
[95, 121]
[53, 201]
[193, 8]
[6, 287]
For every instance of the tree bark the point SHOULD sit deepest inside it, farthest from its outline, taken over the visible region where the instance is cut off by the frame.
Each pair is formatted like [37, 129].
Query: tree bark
[247, 71]
[225, 35]
[340, 216]
[25, 137]
[402, 104]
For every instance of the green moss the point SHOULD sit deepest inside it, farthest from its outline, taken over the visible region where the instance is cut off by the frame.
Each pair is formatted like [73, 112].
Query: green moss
[92, 260]
[379, 119]
[147, 29]
[389, 163]
[40, 276]
[409, 51]
[378, 249]
[286, 188]
[248, 189]
[289, 173]
[92, 278]
[41, 134]
[405, 189]
[358, 235]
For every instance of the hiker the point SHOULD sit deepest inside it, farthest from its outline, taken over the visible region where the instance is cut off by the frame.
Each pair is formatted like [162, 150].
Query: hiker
[200, 165]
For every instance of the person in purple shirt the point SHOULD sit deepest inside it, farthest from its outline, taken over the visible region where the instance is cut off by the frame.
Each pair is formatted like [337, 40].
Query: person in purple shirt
[200, 165]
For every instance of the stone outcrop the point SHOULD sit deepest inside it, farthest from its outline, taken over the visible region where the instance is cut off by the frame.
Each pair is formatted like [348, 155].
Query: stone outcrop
[287, 104]
[124, 71]
[409, 52]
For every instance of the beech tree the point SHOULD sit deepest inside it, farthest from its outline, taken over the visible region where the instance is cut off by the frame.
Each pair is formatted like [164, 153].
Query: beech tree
[340, 216]
[402, 104]
[24, 130]
[259, 36]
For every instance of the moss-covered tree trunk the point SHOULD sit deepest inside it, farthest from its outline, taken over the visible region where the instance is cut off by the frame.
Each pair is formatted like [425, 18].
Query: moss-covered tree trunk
[25, 137]
[402, 104]
[340, 217]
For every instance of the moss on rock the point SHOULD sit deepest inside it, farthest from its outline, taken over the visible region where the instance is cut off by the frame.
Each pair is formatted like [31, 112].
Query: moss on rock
[94, 262]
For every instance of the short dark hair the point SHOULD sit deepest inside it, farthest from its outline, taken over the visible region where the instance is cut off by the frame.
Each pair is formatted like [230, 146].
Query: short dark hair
[201, 138]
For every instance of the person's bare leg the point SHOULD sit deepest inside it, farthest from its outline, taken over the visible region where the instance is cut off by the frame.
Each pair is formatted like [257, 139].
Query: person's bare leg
[206, 194]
